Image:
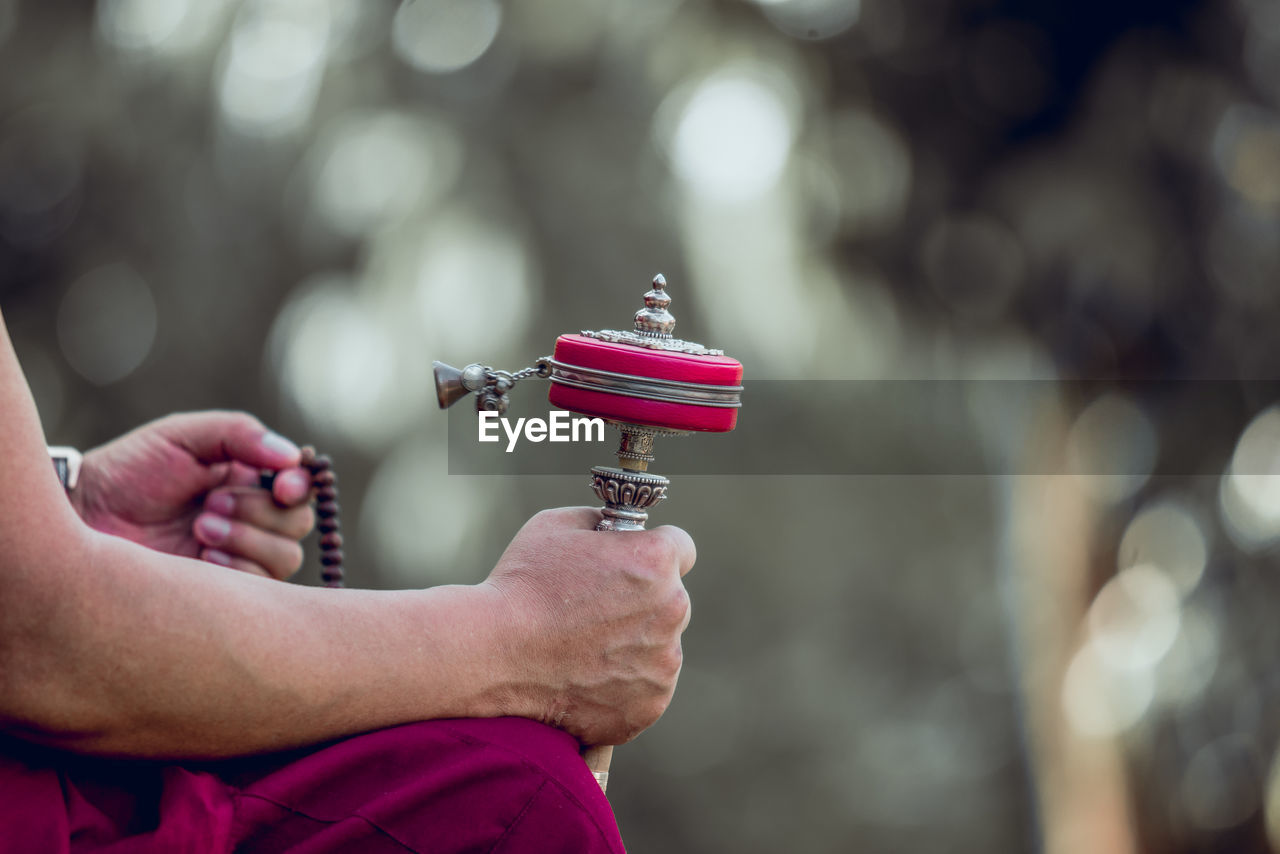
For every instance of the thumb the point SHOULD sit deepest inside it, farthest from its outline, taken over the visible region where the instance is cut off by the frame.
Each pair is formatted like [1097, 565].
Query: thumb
[218, 437]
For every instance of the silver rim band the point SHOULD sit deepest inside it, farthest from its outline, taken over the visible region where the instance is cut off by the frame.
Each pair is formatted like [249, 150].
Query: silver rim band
[646, 388]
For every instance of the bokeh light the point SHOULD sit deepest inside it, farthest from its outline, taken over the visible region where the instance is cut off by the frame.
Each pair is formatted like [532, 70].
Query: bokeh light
[338, 366]
[1247, 150]
[812, 19]
[733, 137]
[107, 323]
[873, 166]
[1189, 666]
[41, 170]
[1133, 620]
[1220, 788]
[1249, 496]
[443, 36]
[273, 65]
[415, 554]
[166, 27]
[974, 263]
[473, 278]
[1100, 701]
[1111, 448]
[1167, 535]
[376, 168]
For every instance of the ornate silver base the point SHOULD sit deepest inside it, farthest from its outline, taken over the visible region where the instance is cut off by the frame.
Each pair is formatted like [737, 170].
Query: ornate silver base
[627, 496]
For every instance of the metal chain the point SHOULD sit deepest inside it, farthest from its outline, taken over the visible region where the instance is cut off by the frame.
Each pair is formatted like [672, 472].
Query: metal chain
[493, 396]
[540, 369]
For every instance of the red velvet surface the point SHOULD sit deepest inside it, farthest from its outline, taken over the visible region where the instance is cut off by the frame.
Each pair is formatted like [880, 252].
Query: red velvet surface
[653, 364]
[653, 413]
[640, 362]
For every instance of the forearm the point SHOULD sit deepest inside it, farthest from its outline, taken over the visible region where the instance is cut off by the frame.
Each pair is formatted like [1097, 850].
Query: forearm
[109, 647]
[114, 649]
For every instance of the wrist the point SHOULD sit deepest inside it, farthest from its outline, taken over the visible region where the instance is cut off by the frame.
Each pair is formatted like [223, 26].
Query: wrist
[507, 684]
[528, 680]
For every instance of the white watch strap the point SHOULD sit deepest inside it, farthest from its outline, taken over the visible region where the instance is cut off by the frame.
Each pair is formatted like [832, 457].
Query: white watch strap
[66, 462]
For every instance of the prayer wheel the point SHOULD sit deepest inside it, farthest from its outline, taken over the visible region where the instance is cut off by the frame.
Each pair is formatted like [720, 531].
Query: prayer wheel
[642, 381]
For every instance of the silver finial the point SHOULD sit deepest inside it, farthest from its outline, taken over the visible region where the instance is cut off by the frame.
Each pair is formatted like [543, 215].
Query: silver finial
[654, 320]
[653, 327]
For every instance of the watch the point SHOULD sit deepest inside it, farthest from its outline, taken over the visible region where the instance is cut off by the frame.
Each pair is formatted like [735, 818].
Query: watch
[66, 462]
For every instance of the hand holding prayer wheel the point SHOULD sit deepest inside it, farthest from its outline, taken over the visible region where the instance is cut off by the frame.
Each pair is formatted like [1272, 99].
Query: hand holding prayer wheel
[646, 383]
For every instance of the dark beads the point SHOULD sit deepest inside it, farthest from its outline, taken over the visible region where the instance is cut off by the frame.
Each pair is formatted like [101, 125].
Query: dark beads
[325, 483]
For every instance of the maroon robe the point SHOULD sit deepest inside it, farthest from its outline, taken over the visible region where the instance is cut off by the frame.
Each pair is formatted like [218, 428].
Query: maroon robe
[500, 786]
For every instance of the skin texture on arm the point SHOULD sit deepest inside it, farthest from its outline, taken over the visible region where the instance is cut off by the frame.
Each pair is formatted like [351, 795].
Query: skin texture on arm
[113, 648]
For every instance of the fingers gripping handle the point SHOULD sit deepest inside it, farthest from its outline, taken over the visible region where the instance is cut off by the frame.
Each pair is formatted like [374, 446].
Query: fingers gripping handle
[627, 492]
[627, 495]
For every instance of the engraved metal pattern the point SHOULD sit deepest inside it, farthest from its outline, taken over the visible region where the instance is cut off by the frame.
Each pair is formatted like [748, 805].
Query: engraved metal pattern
[636, 445]
[627, 496]
[653, 327]
[635, 339]
[647, 388]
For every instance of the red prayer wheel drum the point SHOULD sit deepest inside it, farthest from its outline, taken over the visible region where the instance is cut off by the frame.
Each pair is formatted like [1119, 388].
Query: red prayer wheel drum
[594, 355]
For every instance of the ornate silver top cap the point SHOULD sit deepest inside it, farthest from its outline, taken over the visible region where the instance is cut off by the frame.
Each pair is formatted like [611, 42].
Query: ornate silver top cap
[654, 319]
[653, 326]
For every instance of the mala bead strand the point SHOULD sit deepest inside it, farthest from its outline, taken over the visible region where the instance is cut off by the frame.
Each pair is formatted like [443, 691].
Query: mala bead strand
[325, 483]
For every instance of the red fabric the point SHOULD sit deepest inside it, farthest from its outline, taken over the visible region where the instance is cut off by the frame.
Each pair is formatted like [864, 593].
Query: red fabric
[654, 364]
[502, 786]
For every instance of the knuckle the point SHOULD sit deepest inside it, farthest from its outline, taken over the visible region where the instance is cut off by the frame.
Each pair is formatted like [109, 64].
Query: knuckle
[304, 519]
[649, 713]
[677, 606]
[675, 659]
[291, 558]
[667, 668]
[681, 549]
[663, 552]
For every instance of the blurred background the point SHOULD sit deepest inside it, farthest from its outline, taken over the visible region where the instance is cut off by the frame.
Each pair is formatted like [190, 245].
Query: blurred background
[293, 206]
